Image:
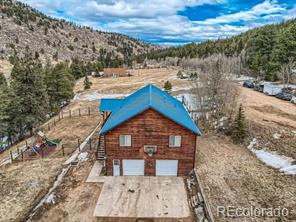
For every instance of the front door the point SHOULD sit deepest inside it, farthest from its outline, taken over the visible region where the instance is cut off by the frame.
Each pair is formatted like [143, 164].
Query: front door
[116, 167]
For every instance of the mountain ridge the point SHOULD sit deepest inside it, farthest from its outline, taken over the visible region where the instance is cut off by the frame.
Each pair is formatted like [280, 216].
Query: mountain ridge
[24, 28]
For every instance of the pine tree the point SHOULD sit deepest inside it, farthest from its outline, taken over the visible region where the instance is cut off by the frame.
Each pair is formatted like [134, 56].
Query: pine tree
[8, 112]
[239, 131]
[30, 96]
[77, 68]
[59, 84]
[87, 83]
[167, 86]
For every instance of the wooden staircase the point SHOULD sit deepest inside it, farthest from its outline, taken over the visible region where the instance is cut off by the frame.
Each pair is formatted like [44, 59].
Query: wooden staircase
[101, 153]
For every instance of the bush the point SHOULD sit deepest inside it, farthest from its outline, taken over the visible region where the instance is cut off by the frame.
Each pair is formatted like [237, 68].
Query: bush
[87, 84]
[167, 86]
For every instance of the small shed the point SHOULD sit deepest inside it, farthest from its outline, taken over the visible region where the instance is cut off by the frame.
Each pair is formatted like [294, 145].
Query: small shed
[271, 89]
[115, 72]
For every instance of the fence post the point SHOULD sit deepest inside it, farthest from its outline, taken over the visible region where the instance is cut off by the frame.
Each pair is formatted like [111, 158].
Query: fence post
[11, 157]
[18, 150]
[63, 149]
[26, 144]
[41, 151]
[89, 143]
[22, 154]
[88, 111]
[70, 114]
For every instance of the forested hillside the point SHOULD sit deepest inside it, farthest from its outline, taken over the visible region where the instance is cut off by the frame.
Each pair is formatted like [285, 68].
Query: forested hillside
[23, 28]
[265, 49]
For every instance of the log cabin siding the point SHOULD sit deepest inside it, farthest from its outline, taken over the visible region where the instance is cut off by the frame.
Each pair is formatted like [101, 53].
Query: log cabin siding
[151, 128]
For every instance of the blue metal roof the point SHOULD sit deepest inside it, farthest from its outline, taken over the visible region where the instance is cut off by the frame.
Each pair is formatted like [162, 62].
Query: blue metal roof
[149, 97]
[110, 104]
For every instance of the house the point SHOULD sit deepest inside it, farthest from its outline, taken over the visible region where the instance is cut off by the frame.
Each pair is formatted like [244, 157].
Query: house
[147, 133]
[115, 72]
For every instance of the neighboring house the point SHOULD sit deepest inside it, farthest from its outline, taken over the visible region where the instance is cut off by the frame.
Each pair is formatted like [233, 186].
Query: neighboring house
[115, 72]
[147, 133]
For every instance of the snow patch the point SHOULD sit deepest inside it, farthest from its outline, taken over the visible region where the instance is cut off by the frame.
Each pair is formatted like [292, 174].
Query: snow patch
[50, 199]
[252, 144]
[190, 99]
[280, 162]
[179, 88]
[290, 170]
[83, 156]
[92, 96]
[273, 159]
[276, 136]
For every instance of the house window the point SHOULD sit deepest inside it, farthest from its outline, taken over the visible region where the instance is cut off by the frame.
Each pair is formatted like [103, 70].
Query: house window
[175, 141]
[125, 140]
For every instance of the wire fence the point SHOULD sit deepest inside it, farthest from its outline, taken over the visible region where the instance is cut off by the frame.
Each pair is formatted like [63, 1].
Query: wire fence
[29, 152]
[68, 114]
[50, 124]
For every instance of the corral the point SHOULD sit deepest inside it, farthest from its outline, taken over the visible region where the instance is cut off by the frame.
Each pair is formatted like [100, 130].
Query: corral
[136, 197]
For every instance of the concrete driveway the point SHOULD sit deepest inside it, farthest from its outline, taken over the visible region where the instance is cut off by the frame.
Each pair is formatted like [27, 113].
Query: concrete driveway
[135, 197]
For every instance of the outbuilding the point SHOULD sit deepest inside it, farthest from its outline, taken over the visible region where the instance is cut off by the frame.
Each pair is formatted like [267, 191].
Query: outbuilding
[115, 72]
[271, 89]
[148, 133]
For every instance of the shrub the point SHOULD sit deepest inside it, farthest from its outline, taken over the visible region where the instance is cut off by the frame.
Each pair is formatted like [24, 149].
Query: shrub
[167, 86]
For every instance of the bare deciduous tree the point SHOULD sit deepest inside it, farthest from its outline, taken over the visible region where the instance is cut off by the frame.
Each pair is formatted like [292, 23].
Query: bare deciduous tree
[216, 93]
[288, 72]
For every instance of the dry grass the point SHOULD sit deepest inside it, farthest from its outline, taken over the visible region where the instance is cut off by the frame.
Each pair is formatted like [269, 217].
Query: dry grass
[23, 184]
[232, 176]
[138, 79]
[5, 68]
[67, 130]
[76, 199]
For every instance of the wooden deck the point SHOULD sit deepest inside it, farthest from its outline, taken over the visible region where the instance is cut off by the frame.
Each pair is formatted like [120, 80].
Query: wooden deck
[139, 197]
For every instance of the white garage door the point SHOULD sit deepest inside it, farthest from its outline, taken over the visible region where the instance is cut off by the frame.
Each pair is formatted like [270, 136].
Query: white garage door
[133, 167]
[166, 167]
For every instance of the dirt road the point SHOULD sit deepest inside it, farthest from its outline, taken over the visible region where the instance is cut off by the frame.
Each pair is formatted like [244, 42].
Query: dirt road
[268, 110]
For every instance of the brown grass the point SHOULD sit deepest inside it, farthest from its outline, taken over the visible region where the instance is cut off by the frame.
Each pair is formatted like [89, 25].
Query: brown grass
[76, 199]
[232, 176]
[23, 184]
